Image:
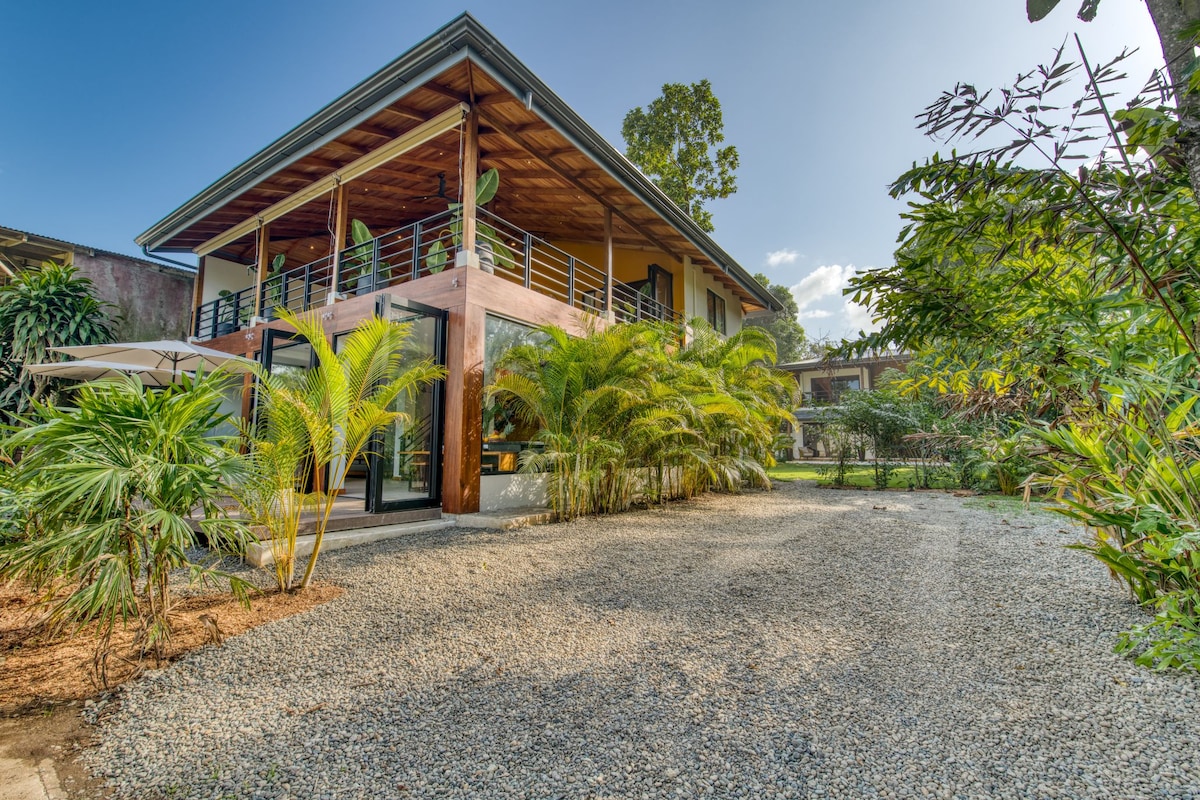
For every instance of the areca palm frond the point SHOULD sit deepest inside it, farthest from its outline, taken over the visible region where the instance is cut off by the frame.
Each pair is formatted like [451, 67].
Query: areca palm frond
[632, 401]
[344, 401]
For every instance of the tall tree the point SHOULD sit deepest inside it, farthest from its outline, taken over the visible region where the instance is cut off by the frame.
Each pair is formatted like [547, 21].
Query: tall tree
[675, 141]
[790, 339]
[1178, 26]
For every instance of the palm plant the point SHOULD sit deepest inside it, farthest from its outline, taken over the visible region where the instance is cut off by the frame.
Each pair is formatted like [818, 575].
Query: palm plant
[110, 488]
[43, 308]
[740, 400]
[278, 460]
[627, 413]
[581, 393]
[343, 402]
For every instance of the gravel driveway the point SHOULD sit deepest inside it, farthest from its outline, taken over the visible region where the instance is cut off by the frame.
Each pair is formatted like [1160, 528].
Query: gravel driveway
[799, 643]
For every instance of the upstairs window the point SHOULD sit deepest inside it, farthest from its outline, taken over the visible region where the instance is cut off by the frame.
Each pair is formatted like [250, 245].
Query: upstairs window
[716, 312]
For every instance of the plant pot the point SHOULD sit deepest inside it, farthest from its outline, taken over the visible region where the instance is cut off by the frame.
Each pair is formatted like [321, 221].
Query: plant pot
[487, 257]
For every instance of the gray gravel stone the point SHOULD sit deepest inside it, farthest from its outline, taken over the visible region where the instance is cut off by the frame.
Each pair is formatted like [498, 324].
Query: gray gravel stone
[794, 644]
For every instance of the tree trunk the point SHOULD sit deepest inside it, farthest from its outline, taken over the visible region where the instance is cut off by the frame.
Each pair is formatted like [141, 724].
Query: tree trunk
[1170, 18]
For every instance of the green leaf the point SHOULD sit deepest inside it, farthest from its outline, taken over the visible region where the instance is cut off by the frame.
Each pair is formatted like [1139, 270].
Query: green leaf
[359, 232]
[485, 188]
[435, 258]
[1038, 9]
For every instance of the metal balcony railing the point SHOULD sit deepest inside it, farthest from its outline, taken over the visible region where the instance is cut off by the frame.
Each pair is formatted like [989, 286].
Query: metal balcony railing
[425, 248]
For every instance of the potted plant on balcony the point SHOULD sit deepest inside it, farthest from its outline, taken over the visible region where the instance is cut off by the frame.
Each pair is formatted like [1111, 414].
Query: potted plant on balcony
[228, 313]
[488, 245]
[273, 284]
[358, 261]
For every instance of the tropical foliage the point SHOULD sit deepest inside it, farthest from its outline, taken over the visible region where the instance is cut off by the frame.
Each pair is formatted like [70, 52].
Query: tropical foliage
[629, 414]
[791, 343]
[317, 423]
[1056, 302]
[112, 495]
[40, 309]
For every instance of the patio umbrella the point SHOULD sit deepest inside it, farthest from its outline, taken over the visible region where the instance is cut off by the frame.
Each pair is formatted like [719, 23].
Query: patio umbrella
[95, 370]
[168, 354]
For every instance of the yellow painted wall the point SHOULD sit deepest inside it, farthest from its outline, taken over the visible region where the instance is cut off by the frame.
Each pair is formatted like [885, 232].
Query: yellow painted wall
[630, 265]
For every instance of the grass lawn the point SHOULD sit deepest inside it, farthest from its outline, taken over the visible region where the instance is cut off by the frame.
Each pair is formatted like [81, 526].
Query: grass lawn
[863, 476]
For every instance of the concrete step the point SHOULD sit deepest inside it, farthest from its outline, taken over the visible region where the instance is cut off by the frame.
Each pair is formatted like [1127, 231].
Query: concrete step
[259, 554]
[507, 519]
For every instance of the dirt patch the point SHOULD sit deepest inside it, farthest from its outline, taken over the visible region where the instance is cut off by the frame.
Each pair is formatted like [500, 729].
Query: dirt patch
[45, 680]
[56, 733]
[40, 669]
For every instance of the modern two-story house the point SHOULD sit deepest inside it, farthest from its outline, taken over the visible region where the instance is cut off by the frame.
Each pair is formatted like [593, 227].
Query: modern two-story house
[369, 208]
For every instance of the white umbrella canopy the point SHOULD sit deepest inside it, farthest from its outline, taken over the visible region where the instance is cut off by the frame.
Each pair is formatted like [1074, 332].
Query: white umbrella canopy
[168, 354]
[96, 370]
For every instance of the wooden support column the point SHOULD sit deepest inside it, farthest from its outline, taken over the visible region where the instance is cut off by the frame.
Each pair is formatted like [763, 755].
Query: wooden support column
[341, 225]
[264, 264]
[197, 295]
[608, 263]
[463, 433]
[469, 180]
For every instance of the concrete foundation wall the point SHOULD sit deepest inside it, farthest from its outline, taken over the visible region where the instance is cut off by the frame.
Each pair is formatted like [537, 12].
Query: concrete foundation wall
[499, 492]
[152, 302]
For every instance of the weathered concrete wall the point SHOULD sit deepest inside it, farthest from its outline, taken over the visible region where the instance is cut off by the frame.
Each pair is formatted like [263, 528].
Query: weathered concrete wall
[152, 301]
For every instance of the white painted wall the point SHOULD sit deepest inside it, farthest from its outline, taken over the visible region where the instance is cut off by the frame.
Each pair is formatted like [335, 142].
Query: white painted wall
[221, 274]
[499, 492]
[696, 285]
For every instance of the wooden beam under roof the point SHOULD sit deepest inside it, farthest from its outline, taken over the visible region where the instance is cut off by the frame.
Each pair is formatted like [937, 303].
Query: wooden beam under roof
[445, 91]
[407, 114]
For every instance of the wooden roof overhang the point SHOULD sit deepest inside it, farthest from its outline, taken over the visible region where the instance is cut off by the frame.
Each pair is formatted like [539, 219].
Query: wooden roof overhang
[402, 129]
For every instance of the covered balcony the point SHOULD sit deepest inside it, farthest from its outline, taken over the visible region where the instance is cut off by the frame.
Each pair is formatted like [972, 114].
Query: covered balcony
[427, 247]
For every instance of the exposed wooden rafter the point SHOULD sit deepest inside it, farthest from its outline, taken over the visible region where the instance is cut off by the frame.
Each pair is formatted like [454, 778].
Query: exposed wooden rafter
[415, 137]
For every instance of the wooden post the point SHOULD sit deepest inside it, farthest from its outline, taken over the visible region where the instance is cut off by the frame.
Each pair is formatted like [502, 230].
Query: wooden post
[197, 296]
[463, 434]
[469, 179]
[340, 226]
[264, 264]
[608, 263]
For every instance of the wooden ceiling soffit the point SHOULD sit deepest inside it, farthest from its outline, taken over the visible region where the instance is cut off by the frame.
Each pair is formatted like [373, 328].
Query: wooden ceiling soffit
[415, 137]
[535, 151]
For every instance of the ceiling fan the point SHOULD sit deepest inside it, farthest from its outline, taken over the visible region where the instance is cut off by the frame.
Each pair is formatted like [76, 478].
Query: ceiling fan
[441, 191]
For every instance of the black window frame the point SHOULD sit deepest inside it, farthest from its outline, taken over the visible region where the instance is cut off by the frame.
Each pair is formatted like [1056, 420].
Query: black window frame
[716, 304]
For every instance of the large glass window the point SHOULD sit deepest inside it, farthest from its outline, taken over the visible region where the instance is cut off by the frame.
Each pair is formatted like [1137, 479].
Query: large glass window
[504, 435]
[716, 312]
[839, 386]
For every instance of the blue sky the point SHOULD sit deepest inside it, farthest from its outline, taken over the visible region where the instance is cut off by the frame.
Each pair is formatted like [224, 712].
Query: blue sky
[119, 112]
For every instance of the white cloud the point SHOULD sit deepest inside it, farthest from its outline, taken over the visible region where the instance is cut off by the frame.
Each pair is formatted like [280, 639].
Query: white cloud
[814, 313]
[858, 318]
[822, 282]
[779, 257]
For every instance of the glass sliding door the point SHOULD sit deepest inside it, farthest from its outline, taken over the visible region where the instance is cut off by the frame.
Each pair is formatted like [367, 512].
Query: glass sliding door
[404, 466]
